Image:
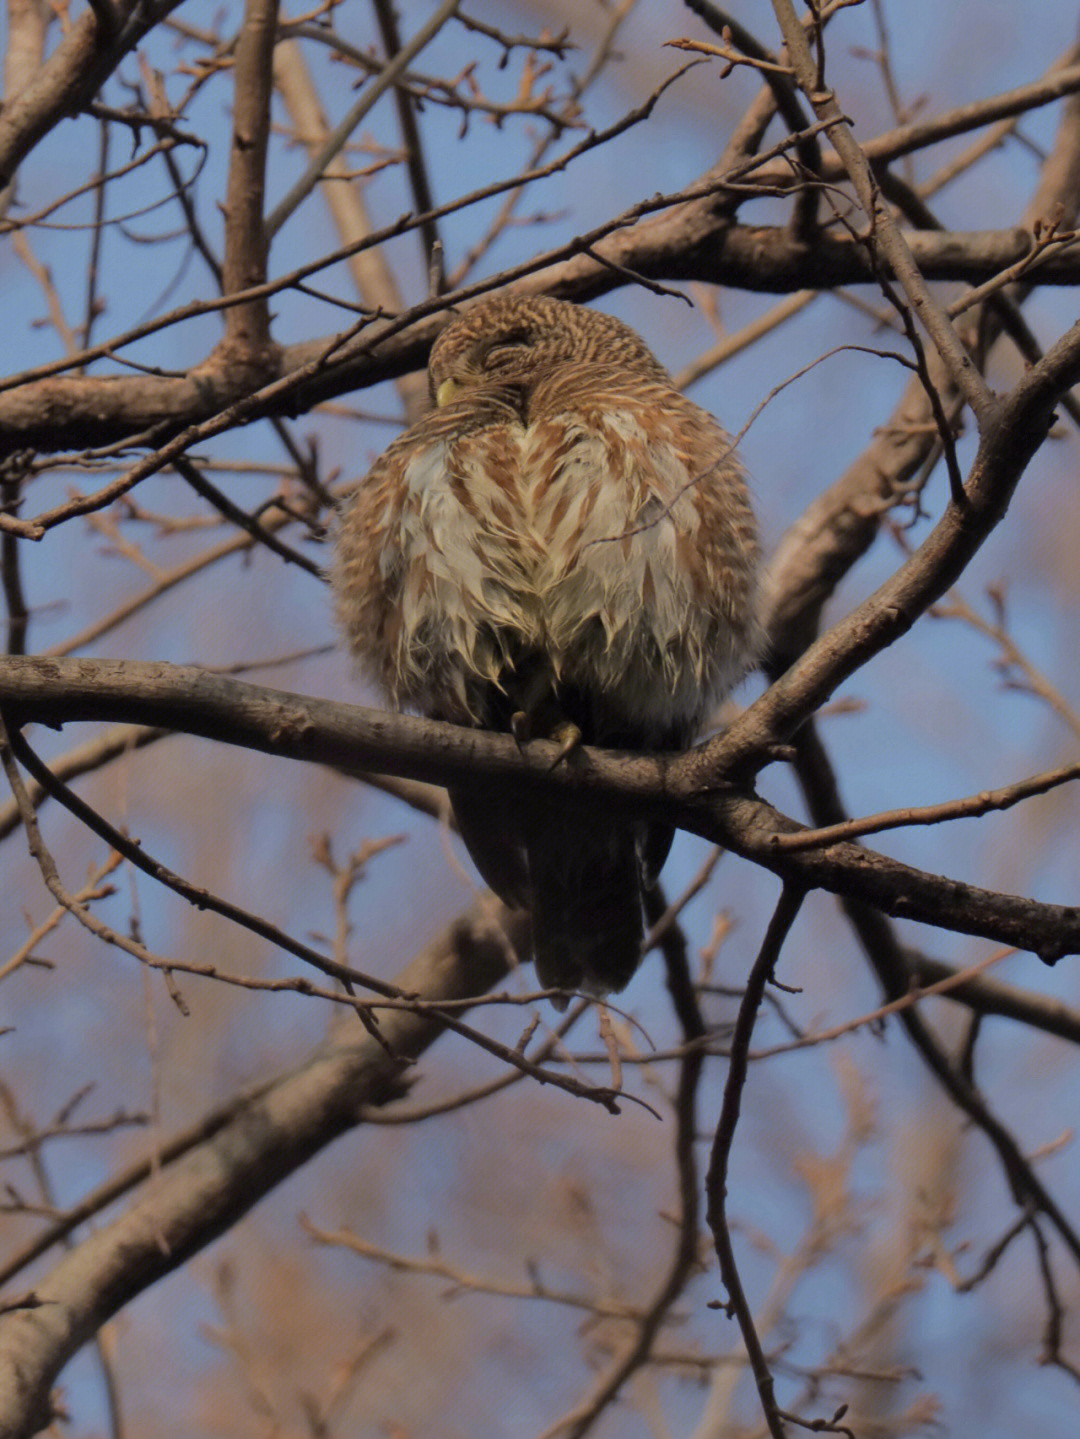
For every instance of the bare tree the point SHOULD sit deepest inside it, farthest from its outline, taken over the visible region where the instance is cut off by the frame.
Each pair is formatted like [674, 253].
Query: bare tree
[817, 1167]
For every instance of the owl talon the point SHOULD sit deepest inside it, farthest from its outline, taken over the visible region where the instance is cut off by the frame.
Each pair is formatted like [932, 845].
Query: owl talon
[569, 739]
[520, 728]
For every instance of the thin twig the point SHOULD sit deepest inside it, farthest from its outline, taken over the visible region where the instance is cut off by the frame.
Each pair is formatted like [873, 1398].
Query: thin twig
[716, 1181]
[986, 801]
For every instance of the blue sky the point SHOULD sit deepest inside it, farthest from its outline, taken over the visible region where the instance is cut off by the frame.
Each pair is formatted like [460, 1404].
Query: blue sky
[933, 722]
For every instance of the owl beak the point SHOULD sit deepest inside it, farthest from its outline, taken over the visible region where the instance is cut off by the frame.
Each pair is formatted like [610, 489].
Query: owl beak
[447, 392]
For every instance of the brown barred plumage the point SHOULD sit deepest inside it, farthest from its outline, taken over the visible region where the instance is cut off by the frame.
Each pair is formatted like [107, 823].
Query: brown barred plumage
[569, 538]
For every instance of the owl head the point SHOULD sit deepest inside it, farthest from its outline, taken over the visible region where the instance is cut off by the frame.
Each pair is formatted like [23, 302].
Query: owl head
[514, 340]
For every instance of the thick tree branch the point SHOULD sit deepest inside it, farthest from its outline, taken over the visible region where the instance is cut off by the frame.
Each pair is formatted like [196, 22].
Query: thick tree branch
[687, 790]
[58, 412]
[837, 528]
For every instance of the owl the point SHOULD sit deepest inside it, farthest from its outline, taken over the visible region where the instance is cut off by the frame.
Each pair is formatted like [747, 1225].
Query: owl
[562, 548]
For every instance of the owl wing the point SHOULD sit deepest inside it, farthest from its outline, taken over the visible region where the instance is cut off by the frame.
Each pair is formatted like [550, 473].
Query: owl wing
[428, 576]
[642, 513]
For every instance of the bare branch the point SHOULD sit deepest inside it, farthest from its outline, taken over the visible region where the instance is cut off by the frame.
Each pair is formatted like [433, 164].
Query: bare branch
[341, 132]
[716, 1180]
[72, 75]
[247, 327]
[885, 236]
[685, 790]
[216, 1179]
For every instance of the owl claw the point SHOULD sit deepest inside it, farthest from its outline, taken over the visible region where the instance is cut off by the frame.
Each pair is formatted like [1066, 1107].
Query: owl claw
[520, 728]
[569, 739]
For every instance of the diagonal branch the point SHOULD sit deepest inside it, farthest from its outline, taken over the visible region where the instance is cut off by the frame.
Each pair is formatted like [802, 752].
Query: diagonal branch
[890, 963]
[341, 132]
[72, 76]
[1010, 437]
[211, 1185]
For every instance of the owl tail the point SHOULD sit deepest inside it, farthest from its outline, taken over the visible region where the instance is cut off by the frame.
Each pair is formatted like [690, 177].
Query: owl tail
[585, 882]
[579, 874]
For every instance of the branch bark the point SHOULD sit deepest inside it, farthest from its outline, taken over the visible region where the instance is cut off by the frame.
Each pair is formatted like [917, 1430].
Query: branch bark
[247, 327]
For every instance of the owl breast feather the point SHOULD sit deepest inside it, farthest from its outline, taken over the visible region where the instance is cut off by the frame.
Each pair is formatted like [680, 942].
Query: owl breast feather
[578, 539]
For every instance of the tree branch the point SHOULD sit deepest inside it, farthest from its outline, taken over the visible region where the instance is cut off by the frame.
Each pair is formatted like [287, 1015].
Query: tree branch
[211, 1185]
[688, 790]
[247, 327]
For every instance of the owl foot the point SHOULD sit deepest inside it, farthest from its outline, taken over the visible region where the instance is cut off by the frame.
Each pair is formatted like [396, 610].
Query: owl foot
[568, 737]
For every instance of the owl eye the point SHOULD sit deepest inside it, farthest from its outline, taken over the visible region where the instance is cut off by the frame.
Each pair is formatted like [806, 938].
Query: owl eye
[498, 351]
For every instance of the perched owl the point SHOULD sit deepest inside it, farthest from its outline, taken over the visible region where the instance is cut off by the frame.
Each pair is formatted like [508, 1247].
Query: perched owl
[563, 548]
